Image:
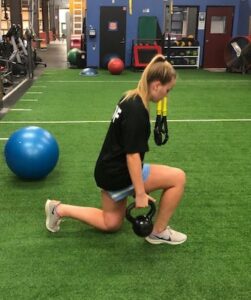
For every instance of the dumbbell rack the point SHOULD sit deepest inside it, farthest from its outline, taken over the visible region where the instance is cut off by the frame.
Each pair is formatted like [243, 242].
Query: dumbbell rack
[185, 57]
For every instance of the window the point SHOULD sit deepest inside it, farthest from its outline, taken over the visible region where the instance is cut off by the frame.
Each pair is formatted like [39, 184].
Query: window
[218, 24]
[183, 20]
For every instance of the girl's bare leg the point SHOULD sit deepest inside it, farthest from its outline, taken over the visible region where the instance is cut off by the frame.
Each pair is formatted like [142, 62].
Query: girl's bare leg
[172, 182]
[109, 218]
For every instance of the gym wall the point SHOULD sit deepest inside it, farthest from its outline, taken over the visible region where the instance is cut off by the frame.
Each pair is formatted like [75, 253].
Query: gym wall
[242, 11]
[139, 8]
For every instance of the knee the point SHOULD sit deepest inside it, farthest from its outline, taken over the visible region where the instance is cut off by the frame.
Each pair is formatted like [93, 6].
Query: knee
[113, 224]
[180, 177]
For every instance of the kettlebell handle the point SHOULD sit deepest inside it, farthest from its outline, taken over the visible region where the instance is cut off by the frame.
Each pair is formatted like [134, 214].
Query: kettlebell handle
[149, 215]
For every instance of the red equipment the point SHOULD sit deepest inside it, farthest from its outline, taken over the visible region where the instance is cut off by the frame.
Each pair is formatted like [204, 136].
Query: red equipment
[142, 54]
[116, 66]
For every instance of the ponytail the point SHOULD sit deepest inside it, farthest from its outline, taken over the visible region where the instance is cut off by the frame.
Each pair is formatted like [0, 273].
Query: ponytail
[158, 69]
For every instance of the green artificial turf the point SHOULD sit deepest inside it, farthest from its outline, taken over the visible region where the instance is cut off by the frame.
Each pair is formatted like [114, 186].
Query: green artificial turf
[82, 263]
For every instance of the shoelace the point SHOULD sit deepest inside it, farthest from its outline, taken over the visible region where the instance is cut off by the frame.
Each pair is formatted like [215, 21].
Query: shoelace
[168, 230]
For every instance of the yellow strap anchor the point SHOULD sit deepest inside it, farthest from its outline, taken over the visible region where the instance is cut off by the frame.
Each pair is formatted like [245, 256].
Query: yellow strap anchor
[162, 107]
[130, 7]
[161, 127]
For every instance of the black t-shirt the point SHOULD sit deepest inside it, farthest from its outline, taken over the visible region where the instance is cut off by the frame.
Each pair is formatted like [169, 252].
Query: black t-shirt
[129, 132]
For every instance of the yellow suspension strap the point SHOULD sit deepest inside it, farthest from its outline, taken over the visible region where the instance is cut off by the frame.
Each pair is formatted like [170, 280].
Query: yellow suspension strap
[130, 7]
[161, 126]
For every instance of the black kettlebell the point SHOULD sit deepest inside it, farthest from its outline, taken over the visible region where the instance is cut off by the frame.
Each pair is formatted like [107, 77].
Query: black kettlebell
[141, 225]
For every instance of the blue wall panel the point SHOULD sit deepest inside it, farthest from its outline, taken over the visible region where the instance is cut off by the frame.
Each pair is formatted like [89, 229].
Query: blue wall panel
[243, 22]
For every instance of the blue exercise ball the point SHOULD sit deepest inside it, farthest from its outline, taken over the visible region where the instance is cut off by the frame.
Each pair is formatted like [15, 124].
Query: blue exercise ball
[31, 152]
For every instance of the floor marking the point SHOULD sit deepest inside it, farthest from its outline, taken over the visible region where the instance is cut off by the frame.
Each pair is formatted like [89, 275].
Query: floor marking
[133, 81]
[34, 93]
[50, 72]
[20, 109]
[217, 81]
[214, 80]
[209, 120]
[4, 110]
[28, 100]
[39, 86]
[4, 139]
[103, 121]
[16, 88]
[88, 81]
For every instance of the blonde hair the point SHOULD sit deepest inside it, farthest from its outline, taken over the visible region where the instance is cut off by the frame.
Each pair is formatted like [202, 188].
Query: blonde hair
[158, 69]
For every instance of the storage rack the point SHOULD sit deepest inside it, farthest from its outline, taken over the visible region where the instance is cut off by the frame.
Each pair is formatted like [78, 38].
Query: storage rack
[185, 56]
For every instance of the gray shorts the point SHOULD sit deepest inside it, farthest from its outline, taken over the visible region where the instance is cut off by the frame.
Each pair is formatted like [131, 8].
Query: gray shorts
[129, 191]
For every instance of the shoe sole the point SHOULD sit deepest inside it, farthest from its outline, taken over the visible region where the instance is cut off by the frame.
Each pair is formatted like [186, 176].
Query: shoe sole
[47, 212]
[157, 242]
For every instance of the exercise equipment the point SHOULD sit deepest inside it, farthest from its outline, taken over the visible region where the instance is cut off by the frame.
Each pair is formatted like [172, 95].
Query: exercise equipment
[161, 135]
[237, 54]
[31, 153]
[143, 53]
[6, 74]
[77, 58]
[148, 41]
[142, 225]
[72, 56]
[116, 66]
[17, 56]
[107, 58]
[89, 72]
[5, 5]
[16, 51]
[76, 41]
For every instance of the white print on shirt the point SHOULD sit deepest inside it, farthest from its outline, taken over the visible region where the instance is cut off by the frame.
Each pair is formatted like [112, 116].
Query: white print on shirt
[116, 114]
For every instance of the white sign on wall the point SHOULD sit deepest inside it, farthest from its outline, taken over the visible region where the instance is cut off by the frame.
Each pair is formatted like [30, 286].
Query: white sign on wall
[202, 20]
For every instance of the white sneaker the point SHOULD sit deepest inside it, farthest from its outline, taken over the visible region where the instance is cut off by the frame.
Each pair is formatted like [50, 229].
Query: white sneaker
[168, 236]
[52, 218]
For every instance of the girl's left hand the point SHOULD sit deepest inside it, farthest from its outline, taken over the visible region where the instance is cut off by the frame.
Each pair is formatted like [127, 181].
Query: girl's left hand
[142, 200]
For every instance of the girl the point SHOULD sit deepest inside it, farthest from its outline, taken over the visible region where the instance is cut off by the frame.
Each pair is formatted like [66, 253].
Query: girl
[120, 170]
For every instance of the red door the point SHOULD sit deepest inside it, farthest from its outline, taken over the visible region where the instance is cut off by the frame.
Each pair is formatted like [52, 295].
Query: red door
[218, 32]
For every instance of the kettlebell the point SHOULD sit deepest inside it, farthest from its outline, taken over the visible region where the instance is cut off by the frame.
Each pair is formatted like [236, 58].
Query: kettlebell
[142, 225]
